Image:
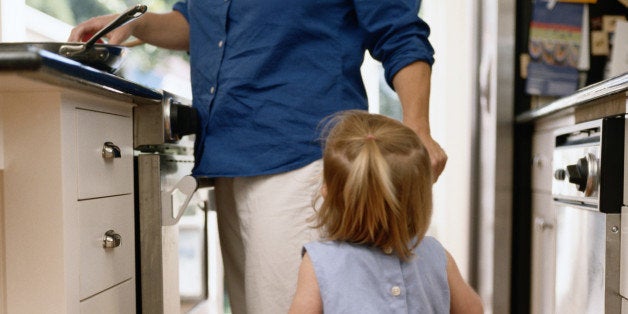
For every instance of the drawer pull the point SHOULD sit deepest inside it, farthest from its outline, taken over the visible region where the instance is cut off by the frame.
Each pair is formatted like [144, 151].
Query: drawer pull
[541, 224]
[109, 151]
[111, 239]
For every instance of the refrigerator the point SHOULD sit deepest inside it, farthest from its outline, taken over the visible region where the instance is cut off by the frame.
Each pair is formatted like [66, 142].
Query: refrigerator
[493, 175]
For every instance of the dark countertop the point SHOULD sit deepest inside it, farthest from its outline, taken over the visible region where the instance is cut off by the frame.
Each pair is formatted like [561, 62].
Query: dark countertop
[605, 88]
[41, 65]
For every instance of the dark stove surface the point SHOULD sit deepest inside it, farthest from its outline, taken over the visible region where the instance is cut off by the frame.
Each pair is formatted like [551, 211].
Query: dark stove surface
[51, 67]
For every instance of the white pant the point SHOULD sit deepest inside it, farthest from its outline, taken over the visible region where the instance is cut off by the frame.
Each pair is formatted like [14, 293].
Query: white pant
[262, 225]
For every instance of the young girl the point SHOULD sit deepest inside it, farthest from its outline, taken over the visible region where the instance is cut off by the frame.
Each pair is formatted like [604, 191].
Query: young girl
[376, 208]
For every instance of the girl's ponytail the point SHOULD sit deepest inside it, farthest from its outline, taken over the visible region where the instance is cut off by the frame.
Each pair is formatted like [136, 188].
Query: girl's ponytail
[378, 183]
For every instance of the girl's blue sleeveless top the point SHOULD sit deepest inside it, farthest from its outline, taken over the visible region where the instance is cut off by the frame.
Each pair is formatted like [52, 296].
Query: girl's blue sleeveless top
[360, 279]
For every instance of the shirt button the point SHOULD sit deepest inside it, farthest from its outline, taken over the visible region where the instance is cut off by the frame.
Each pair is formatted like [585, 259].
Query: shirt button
[212, 90]
[388, 250]
[395, 291]
[220, 43]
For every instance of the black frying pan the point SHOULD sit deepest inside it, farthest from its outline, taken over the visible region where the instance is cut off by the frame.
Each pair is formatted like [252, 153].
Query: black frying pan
[100, 56]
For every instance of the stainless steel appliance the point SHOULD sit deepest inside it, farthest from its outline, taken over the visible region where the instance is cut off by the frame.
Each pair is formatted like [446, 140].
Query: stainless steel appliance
[172, 269]
[587, 187]
[493, 269]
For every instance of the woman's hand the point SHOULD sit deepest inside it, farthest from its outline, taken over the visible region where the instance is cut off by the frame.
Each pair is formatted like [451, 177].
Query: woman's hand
[93, 25]
[438, 157]
[166, 30]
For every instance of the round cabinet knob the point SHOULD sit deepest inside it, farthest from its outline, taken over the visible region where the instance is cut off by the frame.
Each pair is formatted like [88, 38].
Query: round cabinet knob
[560, 174]
[537, 161]
[541, 224]
[110, 151]
[584, 174]
[111, 239]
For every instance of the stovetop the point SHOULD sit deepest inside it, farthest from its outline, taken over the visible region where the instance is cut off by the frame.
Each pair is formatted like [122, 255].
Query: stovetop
[47, 66]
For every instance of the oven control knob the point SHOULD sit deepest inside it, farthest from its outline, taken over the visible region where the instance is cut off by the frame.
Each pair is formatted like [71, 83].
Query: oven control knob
[584, 174]
[184, 120]
[560, 174]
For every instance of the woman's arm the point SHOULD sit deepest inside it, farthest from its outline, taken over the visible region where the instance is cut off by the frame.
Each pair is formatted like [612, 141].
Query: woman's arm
[168, 30]
[412, 84]
[463, 299]
[307, 299]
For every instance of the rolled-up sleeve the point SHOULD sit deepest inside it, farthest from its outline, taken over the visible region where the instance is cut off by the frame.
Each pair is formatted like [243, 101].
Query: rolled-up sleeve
[397, 36]
[182, 6]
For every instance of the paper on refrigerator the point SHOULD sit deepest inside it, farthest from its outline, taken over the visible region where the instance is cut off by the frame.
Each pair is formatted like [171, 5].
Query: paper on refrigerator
[618, 63]
[558, 48]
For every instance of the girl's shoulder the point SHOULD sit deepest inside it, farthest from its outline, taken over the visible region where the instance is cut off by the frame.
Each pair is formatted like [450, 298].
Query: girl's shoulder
[429, 245]
[325, 245]
[323, 249]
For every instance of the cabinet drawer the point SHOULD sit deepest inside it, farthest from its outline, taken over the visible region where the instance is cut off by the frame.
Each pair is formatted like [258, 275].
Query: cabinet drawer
[100, 267]
[542, 172]
[119, 299]
[100, 176]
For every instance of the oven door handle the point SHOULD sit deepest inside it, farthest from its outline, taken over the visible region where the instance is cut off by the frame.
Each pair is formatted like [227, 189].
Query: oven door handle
[175, 201]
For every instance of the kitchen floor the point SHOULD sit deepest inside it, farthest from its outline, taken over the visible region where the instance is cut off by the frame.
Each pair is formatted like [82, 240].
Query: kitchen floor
[186, 306]
[227, 304]
[207, 307]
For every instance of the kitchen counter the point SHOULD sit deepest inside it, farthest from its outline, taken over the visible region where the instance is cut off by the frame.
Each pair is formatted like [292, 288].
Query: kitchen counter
[67, 139]
[40, 65]
[29, 69]
[584, 96]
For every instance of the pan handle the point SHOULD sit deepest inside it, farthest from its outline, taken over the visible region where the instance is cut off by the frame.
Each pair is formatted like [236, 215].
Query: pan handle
[129, 15]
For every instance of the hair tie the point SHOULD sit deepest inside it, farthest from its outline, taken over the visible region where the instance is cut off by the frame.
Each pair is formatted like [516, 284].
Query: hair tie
[370, 137]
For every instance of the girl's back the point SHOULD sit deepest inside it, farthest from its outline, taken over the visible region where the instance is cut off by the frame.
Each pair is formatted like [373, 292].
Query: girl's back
[361, 279]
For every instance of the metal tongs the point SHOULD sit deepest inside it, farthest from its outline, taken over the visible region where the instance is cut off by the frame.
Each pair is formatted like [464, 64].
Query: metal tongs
[70, 50]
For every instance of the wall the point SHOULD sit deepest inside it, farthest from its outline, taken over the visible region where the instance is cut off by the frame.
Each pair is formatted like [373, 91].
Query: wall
[451, 115]
[3, 288]
[11, 29]
[5, 20]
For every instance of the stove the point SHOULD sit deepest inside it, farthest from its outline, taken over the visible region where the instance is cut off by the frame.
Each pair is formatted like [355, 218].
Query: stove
[170, 209]
[587, 189]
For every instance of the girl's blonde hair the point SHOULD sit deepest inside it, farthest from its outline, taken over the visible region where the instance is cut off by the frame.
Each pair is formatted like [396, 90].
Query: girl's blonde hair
[377, 177]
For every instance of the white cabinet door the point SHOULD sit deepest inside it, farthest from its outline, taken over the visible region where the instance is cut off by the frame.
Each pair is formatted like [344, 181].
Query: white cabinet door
[102, 268]
[542, 148]
[543, 254]
[119, 300]
[99, 175]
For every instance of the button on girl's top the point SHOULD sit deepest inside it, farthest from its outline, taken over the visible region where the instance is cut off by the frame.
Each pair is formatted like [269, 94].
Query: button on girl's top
[263, 76]
[359, 279]
[395, 290]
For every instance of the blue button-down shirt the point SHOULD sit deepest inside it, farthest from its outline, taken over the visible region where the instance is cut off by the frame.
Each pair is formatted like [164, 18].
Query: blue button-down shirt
[264, 73]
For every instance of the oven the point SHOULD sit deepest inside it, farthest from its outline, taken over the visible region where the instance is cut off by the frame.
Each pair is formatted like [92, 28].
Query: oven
[174, 228]
[587, 190]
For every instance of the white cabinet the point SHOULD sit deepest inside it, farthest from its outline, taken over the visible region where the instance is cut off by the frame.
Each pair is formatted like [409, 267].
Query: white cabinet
[542, 148]
[65, 190]
[119, 299]
[543, 268]
[543, 254]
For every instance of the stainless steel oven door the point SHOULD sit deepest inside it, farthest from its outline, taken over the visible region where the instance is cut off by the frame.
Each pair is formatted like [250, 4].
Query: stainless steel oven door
[587, 260]
[165, 246]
